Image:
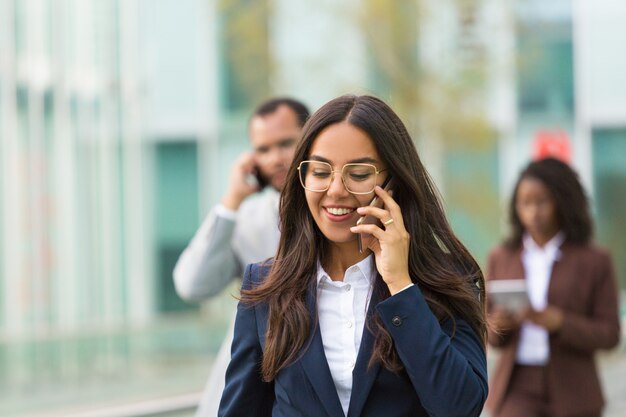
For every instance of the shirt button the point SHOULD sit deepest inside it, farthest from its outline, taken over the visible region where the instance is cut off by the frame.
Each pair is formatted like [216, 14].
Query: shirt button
[347, 287]
[351, 364]
[349, 324]
[396, 321]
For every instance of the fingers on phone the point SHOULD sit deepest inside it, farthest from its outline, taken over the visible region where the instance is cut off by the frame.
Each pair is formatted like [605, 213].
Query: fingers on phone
[373, 211]
[386, 196]
[391, 206]
[368, 229]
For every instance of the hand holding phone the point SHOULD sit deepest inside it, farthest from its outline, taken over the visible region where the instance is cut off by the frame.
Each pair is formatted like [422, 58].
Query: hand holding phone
[257, 179]
[369, 219]
[242, 181]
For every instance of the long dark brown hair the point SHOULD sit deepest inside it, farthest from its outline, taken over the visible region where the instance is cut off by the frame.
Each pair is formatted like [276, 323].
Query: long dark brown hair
[572, 205]
[446, 273]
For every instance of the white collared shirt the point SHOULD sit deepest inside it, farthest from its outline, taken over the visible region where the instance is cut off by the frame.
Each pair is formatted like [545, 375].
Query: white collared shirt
[256, 233]
[342, 307]
[534, 347]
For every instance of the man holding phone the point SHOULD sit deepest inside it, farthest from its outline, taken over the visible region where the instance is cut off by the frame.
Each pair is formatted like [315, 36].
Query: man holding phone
[243, 228]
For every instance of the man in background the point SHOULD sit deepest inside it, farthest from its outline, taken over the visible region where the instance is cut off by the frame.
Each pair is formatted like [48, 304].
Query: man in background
[243, 228]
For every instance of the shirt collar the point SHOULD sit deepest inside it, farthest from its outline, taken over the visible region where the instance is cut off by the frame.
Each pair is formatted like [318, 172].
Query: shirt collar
[365, 267]
[550, 248]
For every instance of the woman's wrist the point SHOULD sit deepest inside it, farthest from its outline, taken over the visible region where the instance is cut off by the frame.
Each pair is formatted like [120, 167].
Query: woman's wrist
[397, 285]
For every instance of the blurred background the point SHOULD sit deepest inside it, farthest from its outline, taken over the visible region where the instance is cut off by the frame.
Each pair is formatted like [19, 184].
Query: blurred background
[119, 120]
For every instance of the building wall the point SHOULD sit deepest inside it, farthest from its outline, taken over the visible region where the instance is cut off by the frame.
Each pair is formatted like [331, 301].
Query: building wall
[74, 250]
[601, 117]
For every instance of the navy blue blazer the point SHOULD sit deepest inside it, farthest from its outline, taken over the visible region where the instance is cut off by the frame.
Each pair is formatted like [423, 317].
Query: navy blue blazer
[443, 375]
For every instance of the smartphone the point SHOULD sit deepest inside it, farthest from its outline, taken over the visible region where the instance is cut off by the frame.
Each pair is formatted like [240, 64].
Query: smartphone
[369, 219]
[260, 179]
[256, 178]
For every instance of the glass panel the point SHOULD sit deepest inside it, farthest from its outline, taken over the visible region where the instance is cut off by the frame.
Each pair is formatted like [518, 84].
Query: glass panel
[245, 52]
[22, 100]
[545, 68]
[176, 210]
[609, 184]
[472, 196]
[20, 26]
[48, 118]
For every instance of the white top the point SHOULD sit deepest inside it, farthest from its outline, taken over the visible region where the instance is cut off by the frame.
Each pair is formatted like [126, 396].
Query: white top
[225, 243]
[534, 347]
[342, 307]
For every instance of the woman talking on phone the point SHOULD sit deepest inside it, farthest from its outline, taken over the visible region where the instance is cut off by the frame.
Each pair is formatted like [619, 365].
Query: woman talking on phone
[325, 329]
[546, 367]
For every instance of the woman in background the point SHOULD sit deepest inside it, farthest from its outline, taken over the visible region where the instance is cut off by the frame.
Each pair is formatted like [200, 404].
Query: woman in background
[546, 366]
[328, 330]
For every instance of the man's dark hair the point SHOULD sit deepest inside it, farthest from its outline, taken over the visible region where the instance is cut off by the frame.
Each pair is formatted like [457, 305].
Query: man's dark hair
[271, 105]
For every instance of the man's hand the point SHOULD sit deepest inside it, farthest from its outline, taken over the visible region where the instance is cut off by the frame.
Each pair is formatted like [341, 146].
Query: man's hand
[238, 187]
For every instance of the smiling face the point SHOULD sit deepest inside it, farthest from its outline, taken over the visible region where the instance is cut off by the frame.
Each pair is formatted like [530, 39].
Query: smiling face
[334, 210]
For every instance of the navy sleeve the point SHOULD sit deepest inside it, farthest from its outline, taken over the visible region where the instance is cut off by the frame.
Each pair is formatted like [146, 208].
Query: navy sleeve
[245, 393]
[449, 374]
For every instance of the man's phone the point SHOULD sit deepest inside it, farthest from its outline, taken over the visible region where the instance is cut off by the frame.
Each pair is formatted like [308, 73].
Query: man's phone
[256, 178]
[369, 219]
[260, 179]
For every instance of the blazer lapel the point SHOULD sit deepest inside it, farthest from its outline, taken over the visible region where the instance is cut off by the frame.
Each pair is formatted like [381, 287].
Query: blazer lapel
[517, 270]
[362, 377]
[558, 285]
[315, 365]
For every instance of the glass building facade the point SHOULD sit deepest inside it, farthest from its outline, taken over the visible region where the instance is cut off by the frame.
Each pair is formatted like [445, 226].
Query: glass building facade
[72, 207]
[99, 194]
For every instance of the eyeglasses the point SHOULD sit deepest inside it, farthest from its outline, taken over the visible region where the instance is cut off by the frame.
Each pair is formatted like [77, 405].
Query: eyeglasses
[357, 178]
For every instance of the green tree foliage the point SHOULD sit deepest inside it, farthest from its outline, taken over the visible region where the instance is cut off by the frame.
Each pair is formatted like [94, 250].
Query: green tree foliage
[246, 58]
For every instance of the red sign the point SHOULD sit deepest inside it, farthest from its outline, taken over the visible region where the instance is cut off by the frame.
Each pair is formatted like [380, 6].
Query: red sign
[552, 143]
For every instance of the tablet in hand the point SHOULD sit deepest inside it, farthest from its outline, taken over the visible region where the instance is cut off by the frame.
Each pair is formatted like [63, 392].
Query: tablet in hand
[510, 294]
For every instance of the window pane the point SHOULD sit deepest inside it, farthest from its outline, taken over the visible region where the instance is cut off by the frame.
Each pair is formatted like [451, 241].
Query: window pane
[609, 183]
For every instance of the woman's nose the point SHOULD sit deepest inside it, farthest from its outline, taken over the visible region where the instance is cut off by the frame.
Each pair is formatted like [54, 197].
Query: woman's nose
[336, 185]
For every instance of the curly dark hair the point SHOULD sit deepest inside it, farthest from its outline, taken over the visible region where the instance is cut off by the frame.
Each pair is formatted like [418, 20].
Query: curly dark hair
[572, 204]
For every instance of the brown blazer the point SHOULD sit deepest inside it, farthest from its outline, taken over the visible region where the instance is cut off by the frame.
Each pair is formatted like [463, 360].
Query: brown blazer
[583, 285]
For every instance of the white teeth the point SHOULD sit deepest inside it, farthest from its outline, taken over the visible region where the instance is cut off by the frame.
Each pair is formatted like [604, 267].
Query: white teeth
[339, 211]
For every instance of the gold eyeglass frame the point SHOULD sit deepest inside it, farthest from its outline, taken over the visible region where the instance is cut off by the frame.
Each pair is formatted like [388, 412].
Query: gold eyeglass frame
[343, 181]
